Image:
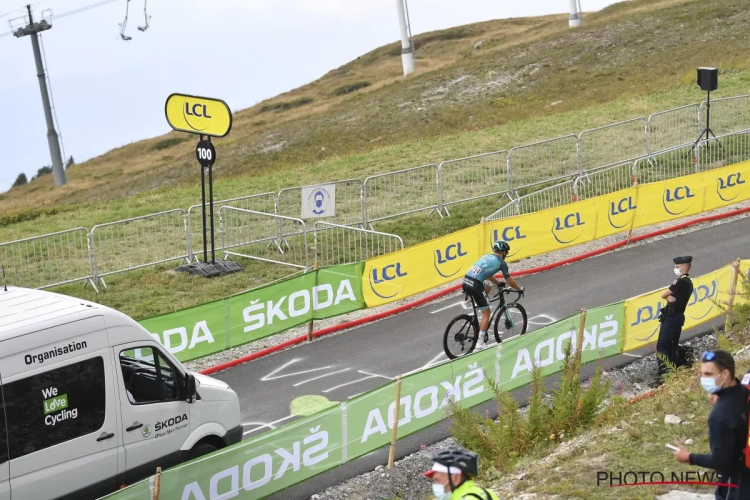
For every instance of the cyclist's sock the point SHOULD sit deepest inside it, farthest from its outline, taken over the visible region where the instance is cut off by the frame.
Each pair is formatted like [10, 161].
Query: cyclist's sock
[482, 333]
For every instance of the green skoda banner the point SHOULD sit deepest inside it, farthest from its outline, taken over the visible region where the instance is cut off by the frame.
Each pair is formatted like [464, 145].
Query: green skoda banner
[307, 447]
[198, 331]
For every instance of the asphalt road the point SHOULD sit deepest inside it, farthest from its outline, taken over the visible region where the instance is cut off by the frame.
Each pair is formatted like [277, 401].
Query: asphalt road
[342, 366]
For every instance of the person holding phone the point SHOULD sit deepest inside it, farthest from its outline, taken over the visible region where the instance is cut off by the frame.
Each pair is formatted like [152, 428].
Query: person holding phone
[727, 427]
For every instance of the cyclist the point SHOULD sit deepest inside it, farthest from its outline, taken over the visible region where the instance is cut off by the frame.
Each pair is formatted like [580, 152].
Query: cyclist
[451, 473]
[474, 284]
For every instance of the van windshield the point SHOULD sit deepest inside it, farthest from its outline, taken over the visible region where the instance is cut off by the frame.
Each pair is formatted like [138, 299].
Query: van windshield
[149, 378]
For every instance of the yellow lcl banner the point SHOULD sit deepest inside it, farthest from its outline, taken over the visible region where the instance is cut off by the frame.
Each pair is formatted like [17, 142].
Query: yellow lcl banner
[198, 115]
[416, 269]
[709, 301]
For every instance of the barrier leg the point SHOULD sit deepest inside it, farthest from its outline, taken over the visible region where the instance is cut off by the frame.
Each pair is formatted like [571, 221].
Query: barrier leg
[396, 408]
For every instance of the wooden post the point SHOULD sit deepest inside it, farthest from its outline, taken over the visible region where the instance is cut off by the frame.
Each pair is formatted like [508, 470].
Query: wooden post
[310, 324]
[732, 293]
[157, 483]
[396, 409]
[579, 340]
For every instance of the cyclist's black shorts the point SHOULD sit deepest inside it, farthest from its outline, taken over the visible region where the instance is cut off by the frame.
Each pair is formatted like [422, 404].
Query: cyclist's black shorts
[476, 289]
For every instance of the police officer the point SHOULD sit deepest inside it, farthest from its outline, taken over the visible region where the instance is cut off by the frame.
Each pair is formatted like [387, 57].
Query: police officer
[672, 316]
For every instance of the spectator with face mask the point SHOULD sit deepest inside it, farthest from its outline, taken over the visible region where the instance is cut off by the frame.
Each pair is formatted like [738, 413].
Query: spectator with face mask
[727, 427]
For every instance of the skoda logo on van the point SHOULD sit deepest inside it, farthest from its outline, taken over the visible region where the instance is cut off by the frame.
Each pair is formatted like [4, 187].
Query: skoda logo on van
[730, 187]
[146, 430]
[678, 200]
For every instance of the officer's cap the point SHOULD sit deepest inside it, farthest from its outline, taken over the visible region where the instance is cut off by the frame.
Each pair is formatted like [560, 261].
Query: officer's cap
[683, 260]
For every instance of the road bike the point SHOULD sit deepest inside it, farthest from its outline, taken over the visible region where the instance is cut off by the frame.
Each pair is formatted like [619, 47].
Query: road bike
[462, 332]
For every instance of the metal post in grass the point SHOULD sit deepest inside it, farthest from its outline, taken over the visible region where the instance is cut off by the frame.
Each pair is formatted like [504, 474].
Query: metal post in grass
[579, 340]
[394, 431]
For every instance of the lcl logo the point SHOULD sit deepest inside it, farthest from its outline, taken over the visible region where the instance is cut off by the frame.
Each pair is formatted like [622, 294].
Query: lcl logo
[624, 206]
[387, 273]
[675, 199]
[563, 224]
[725, 185]
[446, 256]
[647, 314]
[701, 294]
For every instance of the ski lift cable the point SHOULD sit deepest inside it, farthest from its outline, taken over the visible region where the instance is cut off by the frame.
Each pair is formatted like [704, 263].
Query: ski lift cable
[66, 14]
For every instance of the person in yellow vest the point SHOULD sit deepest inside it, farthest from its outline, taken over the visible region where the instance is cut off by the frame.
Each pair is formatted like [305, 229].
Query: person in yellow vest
[452, 471]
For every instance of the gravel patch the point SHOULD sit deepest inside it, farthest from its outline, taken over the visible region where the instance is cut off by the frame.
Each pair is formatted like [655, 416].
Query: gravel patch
[539, 260]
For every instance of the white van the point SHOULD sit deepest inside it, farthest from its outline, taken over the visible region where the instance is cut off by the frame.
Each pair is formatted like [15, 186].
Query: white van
[89, 401]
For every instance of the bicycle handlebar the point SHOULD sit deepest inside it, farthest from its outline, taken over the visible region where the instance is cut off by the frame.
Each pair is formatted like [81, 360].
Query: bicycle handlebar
[509, 290]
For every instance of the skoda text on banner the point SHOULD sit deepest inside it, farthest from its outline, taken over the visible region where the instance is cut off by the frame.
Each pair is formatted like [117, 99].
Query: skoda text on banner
[314, 295]
[642, 312]
[415, 269]
[318, 201]
[191, 333]
[257, 468]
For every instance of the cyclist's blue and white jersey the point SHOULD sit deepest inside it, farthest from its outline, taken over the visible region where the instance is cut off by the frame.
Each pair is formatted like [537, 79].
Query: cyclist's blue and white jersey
[488, 266]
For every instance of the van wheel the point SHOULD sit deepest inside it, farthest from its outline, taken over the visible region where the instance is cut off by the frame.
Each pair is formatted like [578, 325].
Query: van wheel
[201, 449]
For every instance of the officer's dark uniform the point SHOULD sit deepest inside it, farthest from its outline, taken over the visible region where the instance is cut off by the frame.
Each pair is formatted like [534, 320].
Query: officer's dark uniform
[673, 318]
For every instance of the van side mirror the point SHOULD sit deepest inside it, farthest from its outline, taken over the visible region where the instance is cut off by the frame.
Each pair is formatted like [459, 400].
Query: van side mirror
[189, 386]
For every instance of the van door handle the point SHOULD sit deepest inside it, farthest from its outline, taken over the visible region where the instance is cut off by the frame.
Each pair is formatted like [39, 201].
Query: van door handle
[136, 425]
[104, 436]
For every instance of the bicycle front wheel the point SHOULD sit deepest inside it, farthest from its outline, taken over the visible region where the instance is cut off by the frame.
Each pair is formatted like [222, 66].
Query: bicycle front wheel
[461, 336]
[510, 322]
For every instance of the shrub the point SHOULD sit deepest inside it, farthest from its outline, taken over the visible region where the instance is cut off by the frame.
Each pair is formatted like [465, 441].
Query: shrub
[503, 442]
[168, 143]
[352, 87]
[285, 106]
[20, 180]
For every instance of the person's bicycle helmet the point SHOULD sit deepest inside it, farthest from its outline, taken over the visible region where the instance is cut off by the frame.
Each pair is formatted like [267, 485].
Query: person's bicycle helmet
[500, 246]
[455, 456]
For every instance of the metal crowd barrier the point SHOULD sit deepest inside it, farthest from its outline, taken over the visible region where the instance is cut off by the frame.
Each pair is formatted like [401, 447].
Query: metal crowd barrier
[543, 162]
[139, 242]
[472, 178]
[337, 244]
[403, 192]
[245, 233]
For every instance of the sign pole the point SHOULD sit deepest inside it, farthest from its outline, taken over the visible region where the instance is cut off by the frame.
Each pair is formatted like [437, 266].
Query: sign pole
[203, 209]
[206, 118]
[211, 196]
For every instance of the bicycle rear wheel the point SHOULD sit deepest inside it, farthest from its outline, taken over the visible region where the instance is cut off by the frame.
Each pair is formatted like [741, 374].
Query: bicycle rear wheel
[510, 322]
[461, 336]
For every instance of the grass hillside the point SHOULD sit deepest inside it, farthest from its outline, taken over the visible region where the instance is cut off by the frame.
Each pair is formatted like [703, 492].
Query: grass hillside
[533, 78]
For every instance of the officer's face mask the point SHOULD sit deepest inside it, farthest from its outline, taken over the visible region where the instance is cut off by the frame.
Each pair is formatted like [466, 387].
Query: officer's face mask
[677, 271]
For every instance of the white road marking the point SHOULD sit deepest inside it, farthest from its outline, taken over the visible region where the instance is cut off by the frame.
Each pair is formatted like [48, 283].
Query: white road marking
[263, 426]
[375, 375]
[350, 383]
[271, 377]
[321, 376]
[435, 359]
[631, 355]
[447, 307]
